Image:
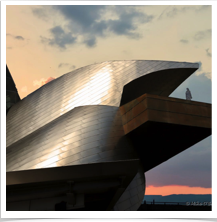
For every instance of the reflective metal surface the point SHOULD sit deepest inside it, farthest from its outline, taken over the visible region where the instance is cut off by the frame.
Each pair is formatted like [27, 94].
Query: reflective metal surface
[85, 134]
[98, 84]
[75, 119]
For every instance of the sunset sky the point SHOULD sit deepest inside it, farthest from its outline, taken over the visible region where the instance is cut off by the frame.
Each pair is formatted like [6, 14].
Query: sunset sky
[45, 42]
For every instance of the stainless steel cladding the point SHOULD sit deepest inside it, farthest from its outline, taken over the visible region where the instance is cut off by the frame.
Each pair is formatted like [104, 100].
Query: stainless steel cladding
[85, 134]
[98, 84]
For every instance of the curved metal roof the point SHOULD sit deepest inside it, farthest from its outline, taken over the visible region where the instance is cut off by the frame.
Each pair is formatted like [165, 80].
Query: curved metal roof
[98, 84]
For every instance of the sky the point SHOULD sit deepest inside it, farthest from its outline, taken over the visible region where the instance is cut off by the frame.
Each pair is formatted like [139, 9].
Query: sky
[45, 42]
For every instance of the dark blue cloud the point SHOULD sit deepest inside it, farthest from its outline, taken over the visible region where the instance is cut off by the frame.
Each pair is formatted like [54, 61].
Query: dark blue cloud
[90, 42]
[57, 30]
[83, 15]
[59, 38]
[88, 22]
[127, 22]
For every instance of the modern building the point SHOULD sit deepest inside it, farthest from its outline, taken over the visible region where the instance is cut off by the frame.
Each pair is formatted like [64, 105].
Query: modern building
[12, 95]
[84, 140]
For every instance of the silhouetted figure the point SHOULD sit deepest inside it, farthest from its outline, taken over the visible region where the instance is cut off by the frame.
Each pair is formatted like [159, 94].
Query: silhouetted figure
[188, 94]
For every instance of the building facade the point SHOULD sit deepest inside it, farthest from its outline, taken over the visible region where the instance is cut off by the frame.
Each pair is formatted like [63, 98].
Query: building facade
[92, 117]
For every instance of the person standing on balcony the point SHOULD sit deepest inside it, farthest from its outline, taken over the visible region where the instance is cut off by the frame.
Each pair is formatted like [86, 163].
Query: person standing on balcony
[188, 94]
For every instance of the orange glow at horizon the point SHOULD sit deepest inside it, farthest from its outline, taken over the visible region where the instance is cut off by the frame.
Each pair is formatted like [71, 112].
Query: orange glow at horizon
[176, 189]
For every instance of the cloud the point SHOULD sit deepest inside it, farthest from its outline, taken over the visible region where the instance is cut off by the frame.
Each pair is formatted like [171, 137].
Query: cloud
[42, 81]
[82, 15]
[18, 37]
[208, 53]
[184, 41]
[91, 42]
[201, 72]
[202, 7]
[49, 80]
[59, 38]
[126, 24]
[38, 82]
[173, 11]
[16, 41]
[24, 89]
[62, 65]
[202, 34]
[89, 22]
[40, 13]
